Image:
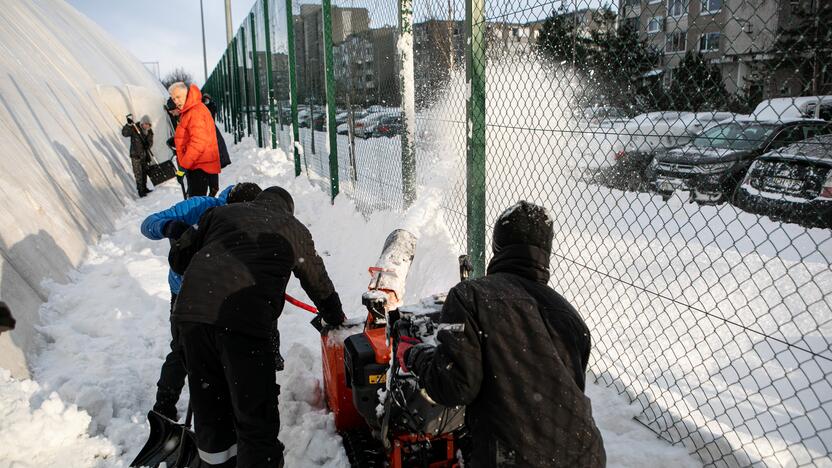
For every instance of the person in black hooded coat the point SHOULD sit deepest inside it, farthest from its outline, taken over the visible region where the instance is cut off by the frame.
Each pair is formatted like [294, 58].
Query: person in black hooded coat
[514, 352]
[236, 266]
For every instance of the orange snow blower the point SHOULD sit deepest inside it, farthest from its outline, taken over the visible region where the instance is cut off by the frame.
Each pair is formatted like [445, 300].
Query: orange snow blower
[383, 416]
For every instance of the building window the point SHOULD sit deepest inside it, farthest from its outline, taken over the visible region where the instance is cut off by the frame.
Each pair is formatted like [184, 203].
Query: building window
[676, 42]
[632, 3]
[677, 7]
[655, 24]
[709, 42]
[711, 6]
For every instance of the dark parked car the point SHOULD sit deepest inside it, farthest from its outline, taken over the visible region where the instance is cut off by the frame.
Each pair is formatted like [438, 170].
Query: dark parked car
[388, 127]
[793, 184]
[714, 163]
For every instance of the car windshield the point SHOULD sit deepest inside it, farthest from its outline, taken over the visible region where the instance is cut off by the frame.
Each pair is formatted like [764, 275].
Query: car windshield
[735, 136]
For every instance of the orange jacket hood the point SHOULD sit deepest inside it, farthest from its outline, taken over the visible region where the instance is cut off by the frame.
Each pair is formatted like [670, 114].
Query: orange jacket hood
[194, 98]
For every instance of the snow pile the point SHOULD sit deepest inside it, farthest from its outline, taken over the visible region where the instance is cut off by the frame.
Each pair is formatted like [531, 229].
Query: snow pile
[64, 93]
[36, 432]
[107, 329]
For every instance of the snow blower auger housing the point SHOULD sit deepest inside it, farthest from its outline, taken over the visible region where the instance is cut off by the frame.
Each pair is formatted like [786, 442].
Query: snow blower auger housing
[383, 416]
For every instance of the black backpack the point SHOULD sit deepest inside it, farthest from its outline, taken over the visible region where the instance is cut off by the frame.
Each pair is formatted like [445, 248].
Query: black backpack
[225, 159]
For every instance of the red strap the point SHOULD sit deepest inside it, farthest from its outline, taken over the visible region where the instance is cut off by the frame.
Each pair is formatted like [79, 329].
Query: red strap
[300, 304]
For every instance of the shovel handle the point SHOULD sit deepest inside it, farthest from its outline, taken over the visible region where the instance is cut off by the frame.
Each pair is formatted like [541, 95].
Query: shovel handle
[300, 304]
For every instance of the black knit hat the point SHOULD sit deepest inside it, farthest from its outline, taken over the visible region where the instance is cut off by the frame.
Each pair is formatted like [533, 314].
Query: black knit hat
[283, 194]
[243, 192]
[524, 223]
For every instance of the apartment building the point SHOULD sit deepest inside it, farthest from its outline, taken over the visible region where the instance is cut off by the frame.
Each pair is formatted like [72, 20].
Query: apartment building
[736, 35]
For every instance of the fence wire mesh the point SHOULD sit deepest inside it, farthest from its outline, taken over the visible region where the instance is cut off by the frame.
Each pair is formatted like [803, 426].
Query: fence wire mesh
[683, 148]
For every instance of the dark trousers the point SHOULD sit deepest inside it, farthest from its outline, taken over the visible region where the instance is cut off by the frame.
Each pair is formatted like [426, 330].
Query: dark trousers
[198, 182]
[233, 395]
[172, 376]
[213, 184]
[140, 174]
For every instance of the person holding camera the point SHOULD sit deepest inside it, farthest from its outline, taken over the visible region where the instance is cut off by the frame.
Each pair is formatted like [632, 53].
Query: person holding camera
[141, 140]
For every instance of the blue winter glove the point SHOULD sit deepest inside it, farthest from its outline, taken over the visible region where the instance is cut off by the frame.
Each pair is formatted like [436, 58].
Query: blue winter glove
[174, 229]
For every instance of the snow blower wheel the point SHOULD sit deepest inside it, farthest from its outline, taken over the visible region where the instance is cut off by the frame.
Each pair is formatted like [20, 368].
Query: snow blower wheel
[363, 450]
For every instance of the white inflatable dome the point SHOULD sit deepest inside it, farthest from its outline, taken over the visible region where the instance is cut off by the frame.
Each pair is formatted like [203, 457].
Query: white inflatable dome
[65, 88]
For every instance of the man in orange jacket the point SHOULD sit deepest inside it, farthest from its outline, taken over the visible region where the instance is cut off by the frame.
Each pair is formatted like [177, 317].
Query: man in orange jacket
[196, 140]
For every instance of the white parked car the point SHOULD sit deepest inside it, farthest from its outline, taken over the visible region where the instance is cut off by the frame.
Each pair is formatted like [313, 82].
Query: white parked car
[790, 108]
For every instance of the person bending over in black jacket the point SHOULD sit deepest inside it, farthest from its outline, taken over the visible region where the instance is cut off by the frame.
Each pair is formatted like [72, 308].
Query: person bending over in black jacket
[236, 266]
[514, 352]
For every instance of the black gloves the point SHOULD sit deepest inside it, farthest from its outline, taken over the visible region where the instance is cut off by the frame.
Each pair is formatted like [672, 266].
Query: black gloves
[130, 119]
[330, 314]
[174, 229]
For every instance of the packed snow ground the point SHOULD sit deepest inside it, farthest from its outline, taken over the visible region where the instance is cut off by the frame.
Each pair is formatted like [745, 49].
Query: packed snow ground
[107, 334]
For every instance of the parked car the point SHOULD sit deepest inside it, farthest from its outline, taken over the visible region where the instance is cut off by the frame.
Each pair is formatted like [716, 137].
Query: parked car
[365, 127]
[645, 135]
[714, 163]
[603, 115]
[318, 119]
[806, 107]
[342, 117]
[792, 184]
[389, 126]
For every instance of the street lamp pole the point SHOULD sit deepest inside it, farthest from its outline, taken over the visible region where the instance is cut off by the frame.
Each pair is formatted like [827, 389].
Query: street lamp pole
[204, 56]
[228, 34]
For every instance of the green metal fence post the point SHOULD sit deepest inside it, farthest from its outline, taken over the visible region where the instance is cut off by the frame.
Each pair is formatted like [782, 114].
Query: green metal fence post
[235, 91]
[408, 97]
[247, 100]
[330, 100]
[229, 127]
[293, 85]
[269, 64]
[223, 97]
[255, 70]
[475, 145]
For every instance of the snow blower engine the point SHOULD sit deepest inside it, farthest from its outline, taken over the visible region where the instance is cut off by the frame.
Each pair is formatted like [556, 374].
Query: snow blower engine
[383, 416]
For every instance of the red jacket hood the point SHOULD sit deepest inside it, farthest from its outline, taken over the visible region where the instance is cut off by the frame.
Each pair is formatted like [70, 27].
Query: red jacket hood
[194, 98]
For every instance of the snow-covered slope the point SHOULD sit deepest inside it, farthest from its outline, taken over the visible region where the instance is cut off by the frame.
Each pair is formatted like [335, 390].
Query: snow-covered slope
[65, 87]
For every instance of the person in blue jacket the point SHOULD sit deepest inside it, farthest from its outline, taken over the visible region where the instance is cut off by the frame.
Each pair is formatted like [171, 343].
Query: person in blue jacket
[170, 224]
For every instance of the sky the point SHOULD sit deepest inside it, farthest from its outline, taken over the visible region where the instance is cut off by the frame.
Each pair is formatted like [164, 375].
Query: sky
[167, 31]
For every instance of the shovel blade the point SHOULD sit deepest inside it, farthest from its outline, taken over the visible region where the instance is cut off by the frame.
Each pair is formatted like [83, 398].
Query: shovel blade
[164, 443]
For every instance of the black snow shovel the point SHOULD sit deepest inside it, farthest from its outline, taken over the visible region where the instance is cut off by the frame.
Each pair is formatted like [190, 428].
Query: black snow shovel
[170, 443]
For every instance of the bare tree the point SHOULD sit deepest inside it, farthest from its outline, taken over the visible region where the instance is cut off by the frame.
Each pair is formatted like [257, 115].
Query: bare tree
[178, 74]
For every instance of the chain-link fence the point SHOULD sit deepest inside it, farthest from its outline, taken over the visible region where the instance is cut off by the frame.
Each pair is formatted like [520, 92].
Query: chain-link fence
[681, 146]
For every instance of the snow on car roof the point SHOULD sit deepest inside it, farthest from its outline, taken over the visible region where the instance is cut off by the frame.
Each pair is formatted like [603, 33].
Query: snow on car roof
[787, 107]
[818, 148]
[773, 121]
